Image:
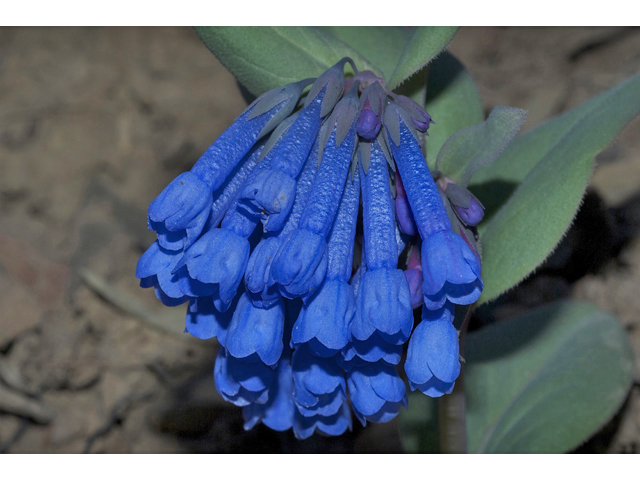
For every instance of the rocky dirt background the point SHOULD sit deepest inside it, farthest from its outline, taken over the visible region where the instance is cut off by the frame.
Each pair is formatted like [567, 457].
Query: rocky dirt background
[95, 122]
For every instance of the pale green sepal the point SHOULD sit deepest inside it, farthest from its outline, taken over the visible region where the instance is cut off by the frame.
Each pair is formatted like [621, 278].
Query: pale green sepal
[459, 196]
[289, 94]
[279, 131]
[392, 115]
[384, 145]
[333, 81]
[364, 149]
[377, 98]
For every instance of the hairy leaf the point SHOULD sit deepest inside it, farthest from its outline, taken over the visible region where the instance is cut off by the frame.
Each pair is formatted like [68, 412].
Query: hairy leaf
[473, 147]
[525, 230]
[452, 101]
[545, 381]
[425, 43]
[263, 58]
[382, 46]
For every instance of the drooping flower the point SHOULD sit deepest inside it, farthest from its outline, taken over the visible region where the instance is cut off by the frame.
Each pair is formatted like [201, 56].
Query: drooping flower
[258, 276]
[279, 410]
[377, 392]
[203, 320]
[256, 331]
[319, 394]
[300, 265]
[450, 268]
[155, 268]
[384, 299]
[433, 363]
[182, 209]
[324, 322]
[242, 382]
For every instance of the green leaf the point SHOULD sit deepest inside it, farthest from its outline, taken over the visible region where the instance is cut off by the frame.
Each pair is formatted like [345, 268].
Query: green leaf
[425, 43]
[545, 381]
[601, 118]
[452, 101]
[263, 58]
[381, 46]
[473, 147]
[525, 230]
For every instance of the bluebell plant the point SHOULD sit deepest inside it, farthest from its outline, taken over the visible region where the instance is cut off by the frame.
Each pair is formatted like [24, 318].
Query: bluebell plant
[305, 239]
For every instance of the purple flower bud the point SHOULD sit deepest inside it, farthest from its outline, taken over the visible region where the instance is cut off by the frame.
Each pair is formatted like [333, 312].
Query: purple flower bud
[369, 123]
[472, 215]
[419, 117]
[467, 207]
[404, 214]
[414, 276]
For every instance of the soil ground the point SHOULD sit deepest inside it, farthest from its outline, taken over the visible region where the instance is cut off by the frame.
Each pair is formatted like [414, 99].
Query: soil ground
[95, 122]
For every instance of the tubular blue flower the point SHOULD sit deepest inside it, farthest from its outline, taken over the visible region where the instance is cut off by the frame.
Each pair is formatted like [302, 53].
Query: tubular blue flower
[256, 330]
[383, 307]
[325, 322]
[226, 194]
[301, 263]
[181, 210]
[319, 385]
[373, 349]
[376, 392]
[154, 270]
[336, 424]
[213, 266]
[242, 383]
[258, 272]
[449, 267]
[262, 116]
[433, 364]
[270, 196]
[203, 320]
[384, 299]
[279, 411]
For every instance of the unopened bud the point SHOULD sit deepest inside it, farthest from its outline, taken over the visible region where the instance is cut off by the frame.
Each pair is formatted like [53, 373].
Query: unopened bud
[369, 123]
[421, 119]
[472, 215]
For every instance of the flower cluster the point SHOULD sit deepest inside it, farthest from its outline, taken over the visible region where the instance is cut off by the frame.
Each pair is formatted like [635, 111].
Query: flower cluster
[259, 239]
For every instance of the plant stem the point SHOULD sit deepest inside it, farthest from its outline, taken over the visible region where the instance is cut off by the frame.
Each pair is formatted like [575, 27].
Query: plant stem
[452, 407]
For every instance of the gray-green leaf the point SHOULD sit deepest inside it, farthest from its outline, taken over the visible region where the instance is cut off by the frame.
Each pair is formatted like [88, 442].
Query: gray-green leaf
[425, 43]
[601, 118]
[473, 147]
[381, 46]
[263, 58]
[525, 230]
[452, 101]
[544, 382]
